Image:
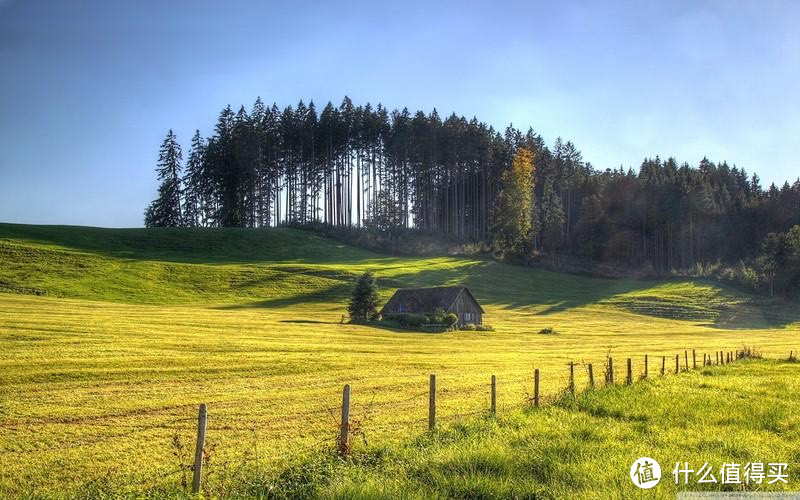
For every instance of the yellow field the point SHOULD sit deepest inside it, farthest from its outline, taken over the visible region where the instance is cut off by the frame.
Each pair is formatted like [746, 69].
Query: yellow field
[98, 390]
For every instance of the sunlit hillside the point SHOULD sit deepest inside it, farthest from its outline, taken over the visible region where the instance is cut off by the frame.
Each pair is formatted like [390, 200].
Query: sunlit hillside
[109, 340]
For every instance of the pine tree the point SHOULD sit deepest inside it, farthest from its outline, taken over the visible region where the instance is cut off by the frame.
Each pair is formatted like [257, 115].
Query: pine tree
[165, 211]
[364, 301]
[463, 180]
[193, 183]
[552, 218]
[513, 213]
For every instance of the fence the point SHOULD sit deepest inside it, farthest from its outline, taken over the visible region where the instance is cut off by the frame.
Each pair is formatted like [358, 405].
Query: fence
[340, 413]
[345, 424]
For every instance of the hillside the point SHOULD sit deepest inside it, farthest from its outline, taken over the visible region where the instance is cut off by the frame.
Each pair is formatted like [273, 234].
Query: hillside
[282, 267]
[102, 372]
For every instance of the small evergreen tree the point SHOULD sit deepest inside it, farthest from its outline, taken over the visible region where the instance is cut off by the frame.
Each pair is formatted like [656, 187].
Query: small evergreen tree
[364, 301]
[165, 211]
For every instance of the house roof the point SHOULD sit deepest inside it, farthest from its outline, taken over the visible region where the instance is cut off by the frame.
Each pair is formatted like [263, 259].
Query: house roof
[426, 300]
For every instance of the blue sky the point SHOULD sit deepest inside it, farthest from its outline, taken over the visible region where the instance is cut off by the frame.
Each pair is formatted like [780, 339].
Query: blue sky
[89, 88]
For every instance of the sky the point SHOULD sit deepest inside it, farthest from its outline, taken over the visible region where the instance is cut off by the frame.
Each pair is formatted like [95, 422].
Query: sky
[88, 89]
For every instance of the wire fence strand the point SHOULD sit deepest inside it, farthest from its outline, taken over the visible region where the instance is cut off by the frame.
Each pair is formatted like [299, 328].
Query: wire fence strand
[374, 415]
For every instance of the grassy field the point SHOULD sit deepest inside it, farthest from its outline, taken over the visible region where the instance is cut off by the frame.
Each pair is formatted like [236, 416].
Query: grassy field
[110, 338]
[582, 447]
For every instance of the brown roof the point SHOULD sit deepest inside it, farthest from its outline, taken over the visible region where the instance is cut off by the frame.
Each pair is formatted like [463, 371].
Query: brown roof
[426, 300]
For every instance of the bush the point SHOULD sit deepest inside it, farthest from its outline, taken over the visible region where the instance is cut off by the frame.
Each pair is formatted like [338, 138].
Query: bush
[547, 331]
[407, 320]
[473, 327]
[438, 321]
[750, 352]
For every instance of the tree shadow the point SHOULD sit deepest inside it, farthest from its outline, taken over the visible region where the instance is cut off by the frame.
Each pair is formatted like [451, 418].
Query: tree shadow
[760, 314]
[516, 287]
[333, 294]
[544, 292]
[309, 321]
[379, 325]
[194, 245]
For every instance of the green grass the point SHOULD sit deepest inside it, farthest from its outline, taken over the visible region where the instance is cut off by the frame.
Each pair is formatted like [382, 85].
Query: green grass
[101, 374]
[582, 447]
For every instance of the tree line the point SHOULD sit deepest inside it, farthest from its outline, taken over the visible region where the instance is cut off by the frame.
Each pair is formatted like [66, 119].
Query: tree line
[366, 167]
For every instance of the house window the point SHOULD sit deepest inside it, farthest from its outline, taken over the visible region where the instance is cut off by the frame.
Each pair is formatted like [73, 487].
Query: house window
[468, 317]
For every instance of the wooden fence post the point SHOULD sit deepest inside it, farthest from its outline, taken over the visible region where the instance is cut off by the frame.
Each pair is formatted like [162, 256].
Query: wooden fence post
[494, 395]
[791, 355]
[645, 366]
[591, 376]
[629, 380]
[572, 377]
[610, 371]
[663, 365]
[432, 404]
[536, 388]
[199, 450]
[717, 356]
[677, 363]
[694, 360]
[344, 427]
[686, 359]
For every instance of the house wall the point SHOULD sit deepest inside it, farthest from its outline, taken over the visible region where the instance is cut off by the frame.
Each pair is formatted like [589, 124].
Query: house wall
[464, 306]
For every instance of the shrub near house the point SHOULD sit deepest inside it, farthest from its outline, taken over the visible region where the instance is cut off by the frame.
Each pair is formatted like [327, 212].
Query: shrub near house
[438, 321]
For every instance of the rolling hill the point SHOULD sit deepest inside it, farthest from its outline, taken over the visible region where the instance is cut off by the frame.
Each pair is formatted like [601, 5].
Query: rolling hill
[279, 267]
[111, 337]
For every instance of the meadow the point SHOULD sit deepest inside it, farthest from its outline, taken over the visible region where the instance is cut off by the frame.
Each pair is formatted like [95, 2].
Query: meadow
[109, 339]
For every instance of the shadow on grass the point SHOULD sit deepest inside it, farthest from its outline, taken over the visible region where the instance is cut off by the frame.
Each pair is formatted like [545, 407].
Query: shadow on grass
[761, 313]
[516, 287]
[378, 325]
[333, 294]
[310, 321]
[193, 245]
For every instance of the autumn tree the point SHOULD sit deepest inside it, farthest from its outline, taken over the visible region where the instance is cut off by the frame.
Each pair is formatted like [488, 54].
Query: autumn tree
[514, 209]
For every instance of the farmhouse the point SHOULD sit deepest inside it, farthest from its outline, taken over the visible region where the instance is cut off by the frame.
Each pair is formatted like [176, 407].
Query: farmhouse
[450, 299]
